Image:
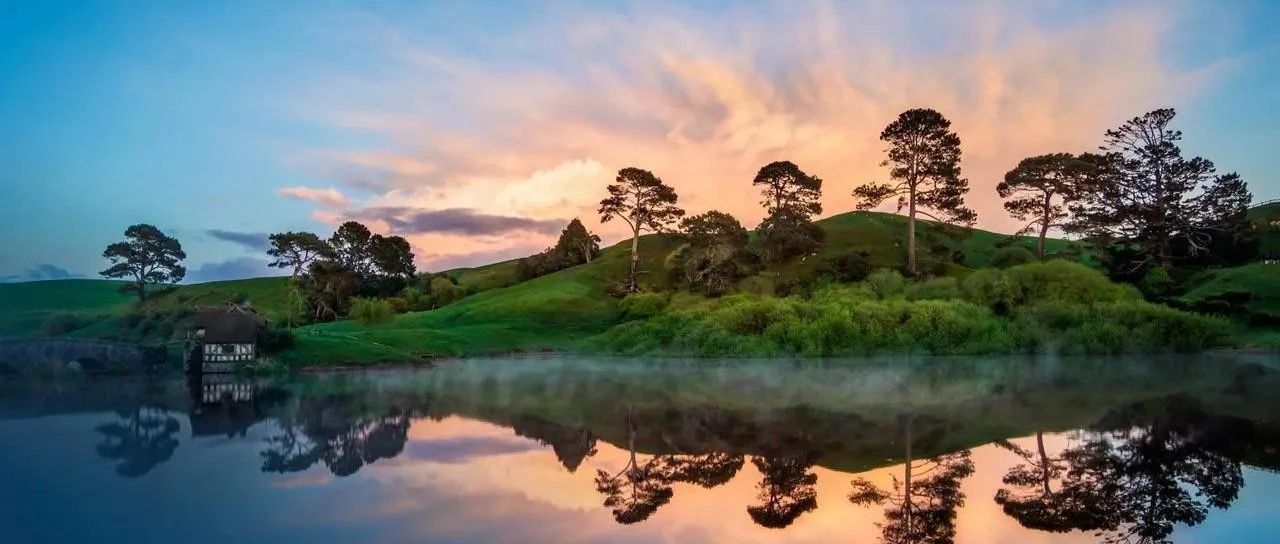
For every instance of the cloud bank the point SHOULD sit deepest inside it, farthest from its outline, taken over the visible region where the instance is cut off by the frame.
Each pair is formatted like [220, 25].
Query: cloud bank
[478, 154]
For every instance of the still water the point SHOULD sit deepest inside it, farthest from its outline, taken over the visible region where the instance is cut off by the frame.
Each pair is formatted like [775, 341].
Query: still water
[617, 450]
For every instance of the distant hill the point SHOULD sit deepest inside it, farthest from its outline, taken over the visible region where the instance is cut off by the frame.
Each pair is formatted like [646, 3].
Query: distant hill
[1266, 217]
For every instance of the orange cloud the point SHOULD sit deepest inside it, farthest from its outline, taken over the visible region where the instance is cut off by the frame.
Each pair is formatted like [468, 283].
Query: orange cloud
[329, 196]
[704, 104]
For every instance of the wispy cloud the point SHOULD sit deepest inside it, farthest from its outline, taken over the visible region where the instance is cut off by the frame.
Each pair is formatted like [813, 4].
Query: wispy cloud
[231, 269]
[253, 241]
[41, 272]
[704, 101]
[462, 221]
[326, 196]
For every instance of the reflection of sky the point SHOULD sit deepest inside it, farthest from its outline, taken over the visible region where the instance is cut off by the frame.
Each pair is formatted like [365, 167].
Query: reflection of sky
[458, 480]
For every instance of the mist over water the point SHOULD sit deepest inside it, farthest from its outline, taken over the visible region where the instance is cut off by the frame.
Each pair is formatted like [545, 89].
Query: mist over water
[550, 449]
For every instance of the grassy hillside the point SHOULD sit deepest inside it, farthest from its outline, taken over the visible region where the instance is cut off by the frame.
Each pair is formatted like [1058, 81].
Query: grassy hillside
[97, 308]
[560, 310]
[1267, 219]
[1256, 287]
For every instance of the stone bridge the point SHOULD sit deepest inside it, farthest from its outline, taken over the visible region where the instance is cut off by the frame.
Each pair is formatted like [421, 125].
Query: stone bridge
[24, 354]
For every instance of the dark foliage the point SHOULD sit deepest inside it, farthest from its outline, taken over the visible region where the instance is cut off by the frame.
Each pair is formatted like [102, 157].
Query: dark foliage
[642, 201]
[146, 256]
[924, 163]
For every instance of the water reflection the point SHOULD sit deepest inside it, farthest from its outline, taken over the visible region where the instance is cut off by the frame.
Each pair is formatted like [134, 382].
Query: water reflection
[138, 440]
[1135, 455]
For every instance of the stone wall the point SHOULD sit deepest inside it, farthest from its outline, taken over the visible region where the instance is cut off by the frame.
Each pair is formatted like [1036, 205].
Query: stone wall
[19, 355]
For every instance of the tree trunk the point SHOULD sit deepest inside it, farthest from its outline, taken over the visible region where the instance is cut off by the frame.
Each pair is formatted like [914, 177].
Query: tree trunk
[906, 481]
[911, 232]
[1046, 217]
[635, 259]
[1044, 231]
[1044, 462]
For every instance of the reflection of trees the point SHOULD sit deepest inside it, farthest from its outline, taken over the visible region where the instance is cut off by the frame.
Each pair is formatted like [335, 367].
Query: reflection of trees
[572, 445]
[1135, 484]
[1036, 497]
[922, 504]
[324, 432]
[140, 440]
[785, 492]
[639, 489]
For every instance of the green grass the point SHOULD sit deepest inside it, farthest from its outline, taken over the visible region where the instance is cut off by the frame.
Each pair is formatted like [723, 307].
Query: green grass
[1267, 220]
[562, 310]
[1260, 281]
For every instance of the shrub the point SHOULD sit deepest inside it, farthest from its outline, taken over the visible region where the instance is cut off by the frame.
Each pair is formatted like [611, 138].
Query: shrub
[642, 305]
[371, 311]
[275, 338]
[1157, 283]
[885, 283]
[850, 267]
[1129, 326]
[1012, 256]
[1051, 281]
[935, 289]
[416, 300]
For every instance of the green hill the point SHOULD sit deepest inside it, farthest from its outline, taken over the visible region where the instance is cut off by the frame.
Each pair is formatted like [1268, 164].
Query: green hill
[560, 310]
[1266, 217]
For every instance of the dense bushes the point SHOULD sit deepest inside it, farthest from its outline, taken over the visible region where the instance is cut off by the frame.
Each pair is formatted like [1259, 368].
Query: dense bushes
[1046, 307]
[371, 311]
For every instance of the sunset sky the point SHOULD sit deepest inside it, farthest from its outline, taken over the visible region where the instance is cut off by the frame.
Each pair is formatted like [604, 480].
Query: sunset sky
[477, 129]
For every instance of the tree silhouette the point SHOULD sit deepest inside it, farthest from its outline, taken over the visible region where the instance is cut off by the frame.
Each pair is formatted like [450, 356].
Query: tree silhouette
[322, 433]
[642, 201]
[296, 251]
[1132, 484]
[924, 162]
[922, 504]
[786, 491]
[140, 440]
[1149, 198]
[791, 199]
[146, 255]
[1036, 497]
[639, 489]
[717, 252]
[1039, 189]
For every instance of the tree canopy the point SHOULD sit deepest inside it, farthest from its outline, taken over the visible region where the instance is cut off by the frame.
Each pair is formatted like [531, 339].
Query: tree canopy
[145, 256]
[1039, 189]
[642, 201]
[1153, 205]
[924, 163]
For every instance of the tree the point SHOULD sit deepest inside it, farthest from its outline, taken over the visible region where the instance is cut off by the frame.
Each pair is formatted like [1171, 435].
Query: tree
[924, 162]
[786, 491]
[352, 247]
[1150, 204]
[296, 251]
[576, 244]
[791, 199]
[146, 255]
[643, 202]
[922, 505]
[140, 440]
[392, 262]
[717, 252]
[330, 286]
[1034, 493]
[1039, 189]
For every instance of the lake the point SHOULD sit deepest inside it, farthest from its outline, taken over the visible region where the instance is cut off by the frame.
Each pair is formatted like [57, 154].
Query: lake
[553, 449]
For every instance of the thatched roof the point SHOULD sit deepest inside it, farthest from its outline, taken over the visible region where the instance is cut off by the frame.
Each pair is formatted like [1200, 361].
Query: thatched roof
[229, 325]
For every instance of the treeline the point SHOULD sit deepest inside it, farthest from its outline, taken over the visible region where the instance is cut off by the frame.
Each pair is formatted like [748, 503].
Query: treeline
[1148, 213]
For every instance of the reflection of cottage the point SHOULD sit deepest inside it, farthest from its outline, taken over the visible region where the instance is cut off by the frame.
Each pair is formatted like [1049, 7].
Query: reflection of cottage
[222, 338]
[222, 404]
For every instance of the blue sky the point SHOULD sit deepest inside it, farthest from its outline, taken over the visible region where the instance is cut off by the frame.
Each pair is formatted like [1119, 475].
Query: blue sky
[472, 128]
